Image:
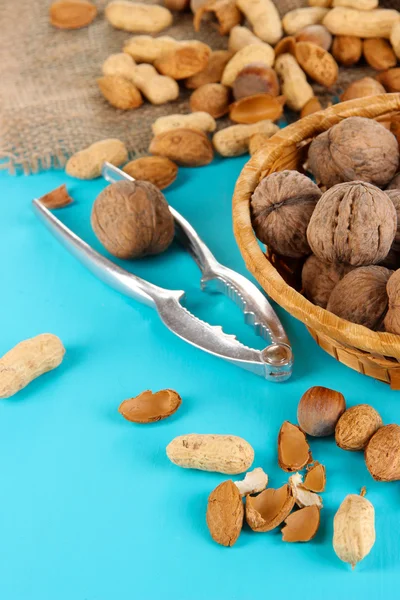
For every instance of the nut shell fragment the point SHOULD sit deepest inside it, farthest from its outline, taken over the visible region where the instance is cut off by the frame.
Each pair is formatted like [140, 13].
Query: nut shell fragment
[382, 454]
[356, 426]
[225, 11]
[255, 78]
[302, 496]
[315, 479]
[254, 481]
[256, 108]
[225, 512]
[267, 510]
[293, 449]
[149, 407]
[57, 198]
[302, 525]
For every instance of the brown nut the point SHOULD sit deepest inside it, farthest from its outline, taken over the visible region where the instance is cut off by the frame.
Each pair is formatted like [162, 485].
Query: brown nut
[394, 184]
[345, 153]
[347, 49]
[382, 454]
[132, 219]
[149, 407]
[319, 410]
[367, 86]
[160, 171]
[392, 318]
[255, 78]
[256, 108]
[285, 46]
[394, 195]
[356, 427]
[317, 34]
[177, 4]
[281, 208]
[267, 510]
[187, 147]
[318, 279]
[225, 512]
[317, 63]
[379, 54]
[212, 98]
[390, 80]
[293, 449]
[312, 106]
[361, 297]
[183, 61]
[72, 14]
[212, 73]
[120, 92]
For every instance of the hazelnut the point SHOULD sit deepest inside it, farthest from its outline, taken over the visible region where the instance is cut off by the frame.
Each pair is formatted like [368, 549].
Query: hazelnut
[319, 278]
[357, 148]
[353, 223]
[319, 410]
[367, 86]
[382, 454]
[281, 207]
[212, 98]
[361, 297]
[394, 184]
[356, 427]
[317, 34]
[392, 318]
[255, 78]
[132, 219]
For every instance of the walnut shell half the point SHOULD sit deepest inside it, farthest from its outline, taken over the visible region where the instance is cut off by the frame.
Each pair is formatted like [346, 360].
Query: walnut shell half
[353, 223]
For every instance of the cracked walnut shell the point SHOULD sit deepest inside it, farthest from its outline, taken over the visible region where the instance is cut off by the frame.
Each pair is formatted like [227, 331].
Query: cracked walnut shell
[281, 208]
[353, 223]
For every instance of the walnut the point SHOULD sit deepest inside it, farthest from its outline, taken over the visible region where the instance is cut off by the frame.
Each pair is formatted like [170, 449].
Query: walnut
[355, 149]
[394, 184]
[394, 195]
[353, 223]
[319, 278]
[392, 319]
[281, 207]
[132, 219]
[360, 297]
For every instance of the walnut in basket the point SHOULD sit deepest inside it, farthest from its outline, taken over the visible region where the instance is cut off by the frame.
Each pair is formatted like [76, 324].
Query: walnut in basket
[318, 279]
[353, 223]
[392, 319]
[281, 208]
[354, 149]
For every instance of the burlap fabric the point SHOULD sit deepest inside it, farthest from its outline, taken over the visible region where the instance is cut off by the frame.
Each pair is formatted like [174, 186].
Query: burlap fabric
[50, 105]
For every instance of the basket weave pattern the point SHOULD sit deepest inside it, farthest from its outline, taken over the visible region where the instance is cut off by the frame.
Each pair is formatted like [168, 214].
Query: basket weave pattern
[369, 352]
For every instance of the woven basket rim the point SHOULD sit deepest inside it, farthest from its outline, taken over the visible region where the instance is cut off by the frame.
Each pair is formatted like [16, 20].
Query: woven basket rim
[289, 139]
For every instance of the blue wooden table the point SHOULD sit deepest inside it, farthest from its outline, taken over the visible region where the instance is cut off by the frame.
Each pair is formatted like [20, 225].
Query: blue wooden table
[90, 506]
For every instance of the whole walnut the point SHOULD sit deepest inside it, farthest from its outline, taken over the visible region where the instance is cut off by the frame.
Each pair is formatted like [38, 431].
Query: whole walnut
[394, 195]
[392, 318]
[355, 149]
[132, 219]
[318, 279]
[394, 184]
[353, 223]
[361, 297]
[281, 207]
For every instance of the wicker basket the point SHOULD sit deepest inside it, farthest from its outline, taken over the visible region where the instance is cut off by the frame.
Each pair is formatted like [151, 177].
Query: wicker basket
[369, 352]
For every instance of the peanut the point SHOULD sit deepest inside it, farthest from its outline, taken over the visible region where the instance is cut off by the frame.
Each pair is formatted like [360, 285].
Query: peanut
[137, 16]
[120, 92]
[294, 82]
[297, 19]
[27, 361]
[119, 64]
[234, 140]
[145, 48]
[221, 453]
[354, 529]
[361, 23]
[158, 89]
[358, 4]
[213, 71]
[87, 163]
[262, 53]
[321, 3]
[239, 37]
[184, 61]
[395, 38]
[198, 120]
[264, 18]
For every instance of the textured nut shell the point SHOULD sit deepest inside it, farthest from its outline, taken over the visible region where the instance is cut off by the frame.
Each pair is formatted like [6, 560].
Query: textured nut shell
[294, 82]
[317, 63]
[119, 64]
[186, 147]
[160, 171]
[302, 525]
[132, 219]
[240, 36]
[286, 45]
[255, 78]
[184, 61]
[361, 297]
[57, 198]
[263, 53]
[356, 426]
[27, 361]
[319, 410]
[317, 34]
[212, 98]
[234, 140]
[264, 17]
[295, 20]
[353, 223]
[267, 510]
[395, 183]
[221, 453]
[360, 23]
[315, 479]
[293, 449]
[281, 207]
[392, 318]
[87, 163]
[390, 80]
[72, 14]
[347, 49]
[395, 38]
[120, 92]
[379, 54]
[149, 407]
[225, 11]
[359, 4]
[225, 512]
[137, 16]
[254, 481]
[146, 48]
[382, 454]
[303, 497]
[198, 121]
[361, 88]
[318, 279]
[256, 108]
[158, 89]
[212, 72]
[354, 529]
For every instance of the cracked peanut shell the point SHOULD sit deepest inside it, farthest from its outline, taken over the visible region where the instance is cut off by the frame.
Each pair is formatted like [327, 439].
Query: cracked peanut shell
[225, 513]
